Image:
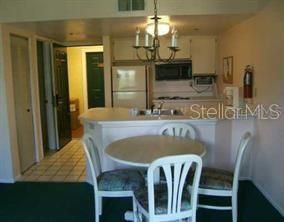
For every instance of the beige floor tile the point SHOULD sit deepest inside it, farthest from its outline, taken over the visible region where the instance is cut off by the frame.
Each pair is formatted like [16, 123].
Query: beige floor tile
[72, 178]
[37, 172]
[58, 178]
[78, 167]
[82, 179]
[75, 173]
[62, 172]
[28, 173]
[45, 178]
[67, 168]
[30, 178]
[53, 168]
[43, 167]
[67, 164]
[57, 164]
[50, 172]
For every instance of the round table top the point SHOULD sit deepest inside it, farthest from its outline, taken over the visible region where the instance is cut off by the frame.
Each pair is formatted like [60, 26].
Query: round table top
[143, 150]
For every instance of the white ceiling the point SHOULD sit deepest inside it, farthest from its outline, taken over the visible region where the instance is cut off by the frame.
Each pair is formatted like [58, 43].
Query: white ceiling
[91, 30]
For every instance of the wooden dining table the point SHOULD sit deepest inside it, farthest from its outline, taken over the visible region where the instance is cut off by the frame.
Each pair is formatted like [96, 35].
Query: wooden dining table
[141, 151]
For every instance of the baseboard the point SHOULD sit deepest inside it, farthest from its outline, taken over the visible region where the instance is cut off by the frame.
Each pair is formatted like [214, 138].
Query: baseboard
[6, 181]
[274, 204]
[13, 180]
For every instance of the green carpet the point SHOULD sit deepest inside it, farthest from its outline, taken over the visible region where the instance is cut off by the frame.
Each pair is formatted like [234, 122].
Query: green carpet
[62, 202]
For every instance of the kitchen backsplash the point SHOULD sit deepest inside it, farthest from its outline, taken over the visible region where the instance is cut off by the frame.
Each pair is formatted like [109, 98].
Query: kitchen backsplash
[181, 88]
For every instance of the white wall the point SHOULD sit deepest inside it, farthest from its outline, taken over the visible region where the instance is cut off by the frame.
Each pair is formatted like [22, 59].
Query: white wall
[6, 172]
[41, 10]
[259, 41]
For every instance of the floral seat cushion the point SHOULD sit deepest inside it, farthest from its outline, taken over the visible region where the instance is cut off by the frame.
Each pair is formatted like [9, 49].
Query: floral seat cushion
[120, 180]
[216, 179]
[161, 198]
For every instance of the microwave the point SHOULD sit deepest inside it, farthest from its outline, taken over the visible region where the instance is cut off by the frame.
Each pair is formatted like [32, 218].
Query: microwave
[204, 80]
[177, 70]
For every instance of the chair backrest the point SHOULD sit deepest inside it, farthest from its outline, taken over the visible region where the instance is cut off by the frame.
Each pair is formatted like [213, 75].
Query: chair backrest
[176, 169]
[178, 129]
[93, 158]
[241, 150]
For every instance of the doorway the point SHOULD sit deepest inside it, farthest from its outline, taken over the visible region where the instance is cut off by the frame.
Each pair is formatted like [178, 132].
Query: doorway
[62, 95]
[42, 94]
[95, 79]
[78, 82]
[46, 94]
[20, 59]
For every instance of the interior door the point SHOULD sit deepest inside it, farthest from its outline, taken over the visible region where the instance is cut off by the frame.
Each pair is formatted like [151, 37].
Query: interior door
[42, 94]
[22, 98]
[62, 96]
[95, 79]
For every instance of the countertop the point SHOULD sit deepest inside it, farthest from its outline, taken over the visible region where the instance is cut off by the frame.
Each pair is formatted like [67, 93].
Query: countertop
[121, 114]
[124, 114]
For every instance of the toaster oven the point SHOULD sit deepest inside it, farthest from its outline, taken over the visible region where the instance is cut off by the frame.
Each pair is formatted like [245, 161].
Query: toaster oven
[204, 80]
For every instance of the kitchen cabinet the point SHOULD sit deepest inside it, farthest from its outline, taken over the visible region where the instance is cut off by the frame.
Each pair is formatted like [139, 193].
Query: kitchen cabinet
[203, 54]
[123, 49]
[201, 49]
[183, 44]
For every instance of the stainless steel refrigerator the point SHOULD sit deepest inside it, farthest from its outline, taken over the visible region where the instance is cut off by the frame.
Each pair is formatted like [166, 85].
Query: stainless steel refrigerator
[129, 86]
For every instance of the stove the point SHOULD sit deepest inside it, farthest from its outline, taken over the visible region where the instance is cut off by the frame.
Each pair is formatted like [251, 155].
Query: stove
[173, 98]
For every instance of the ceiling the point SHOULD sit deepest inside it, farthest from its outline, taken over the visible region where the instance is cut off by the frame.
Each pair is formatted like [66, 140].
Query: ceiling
[90, 31]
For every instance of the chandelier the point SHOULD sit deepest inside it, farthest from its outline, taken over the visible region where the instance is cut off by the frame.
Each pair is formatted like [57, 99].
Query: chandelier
[151, 47]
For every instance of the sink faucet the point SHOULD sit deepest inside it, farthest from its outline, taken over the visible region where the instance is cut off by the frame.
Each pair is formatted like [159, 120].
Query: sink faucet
[160, 107]
[152, 108]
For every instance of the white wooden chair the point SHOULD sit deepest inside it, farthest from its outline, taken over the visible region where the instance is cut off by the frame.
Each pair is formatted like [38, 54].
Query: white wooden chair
[170, 201]
[216, 182]
[116, 183]
[178, 129]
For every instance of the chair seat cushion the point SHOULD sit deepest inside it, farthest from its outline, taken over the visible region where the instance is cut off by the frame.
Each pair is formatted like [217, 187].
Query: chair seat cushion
[120, 180]
[216, 179]
[161, 198]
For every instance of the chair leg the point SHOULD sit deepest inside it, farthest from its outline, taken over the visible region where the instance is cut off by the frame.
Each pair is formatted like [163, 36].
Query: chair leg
[135, 216]
[100, 202]
[234, 208]
[97, 209]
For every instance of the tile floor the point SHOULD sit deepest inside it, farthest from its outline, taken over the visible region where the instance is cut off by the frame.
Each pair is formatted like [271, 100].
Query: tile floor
[68, 165]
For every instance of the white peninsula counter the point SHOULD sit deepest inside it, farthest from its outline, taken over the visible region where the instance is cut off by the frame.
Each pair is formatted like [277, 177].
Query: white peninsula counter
[220, 137]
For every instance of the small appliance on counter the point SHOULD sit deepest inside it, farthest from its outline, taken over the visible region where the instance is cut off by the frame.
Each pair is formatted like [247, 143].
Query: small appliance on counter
[205, 80]
[232, 97]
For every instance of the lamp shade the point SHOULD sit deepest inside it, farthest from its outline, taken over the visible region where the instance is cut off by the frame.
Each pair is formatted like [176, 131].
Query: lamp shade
[163, 28]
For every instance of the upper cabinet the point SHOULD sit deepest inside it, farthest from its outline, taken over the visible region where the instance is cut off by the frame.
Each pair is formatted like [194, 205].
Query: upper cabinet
[183, 44]
[201, 49]
[123, 50]
[203, 54]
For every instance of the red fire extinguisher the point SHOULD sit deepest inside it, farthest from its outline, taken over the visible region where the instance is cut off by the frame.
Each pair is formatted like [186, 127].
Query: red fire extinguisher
[248, 82]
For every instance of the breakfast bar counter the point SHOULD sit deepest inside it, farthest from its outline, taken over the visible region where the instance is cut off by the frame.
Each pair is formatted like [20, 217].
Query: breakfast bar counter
[220, 136]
